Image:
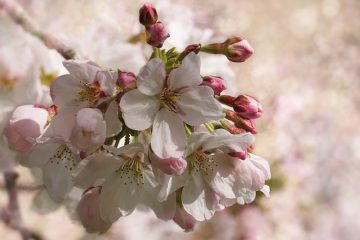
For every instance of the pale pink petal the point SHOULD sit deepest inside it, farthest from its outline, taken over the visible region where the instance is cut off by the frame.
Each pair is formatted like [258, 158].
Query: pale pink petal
[187, 74]
[251, 173]
[119, 197]
[168, 135]
[164, 210]
[194, 199]
[139, 110]
[128, 150]
[196, 142]
[199, 106]
[229, 142]
[113, 123]
[89, 131]
[62, 124]
[57, 180]
[107, 81]
[221, 178]
[64, 91]
[169, 183]
[246, 196]
[83, 70]
[41, 154]
[151, 79]
[95, 168]
[183, 219]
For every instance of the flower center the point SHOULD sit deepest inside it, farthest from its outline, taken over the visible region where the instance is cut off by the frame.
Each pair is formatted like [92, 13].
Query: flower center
[64, 156]
[89, 93]
[168, 99]
[131, 170]
[201, 161]
[7, 82]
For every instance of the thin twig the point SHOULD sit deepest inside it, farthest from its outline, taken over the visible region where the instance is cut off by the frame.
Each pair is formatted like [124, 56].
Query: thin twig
[20, 17]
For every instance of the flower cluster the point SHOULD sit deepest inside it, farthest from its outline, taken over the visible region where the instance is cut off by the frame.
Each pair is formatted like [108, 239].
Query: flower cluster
[165, 138]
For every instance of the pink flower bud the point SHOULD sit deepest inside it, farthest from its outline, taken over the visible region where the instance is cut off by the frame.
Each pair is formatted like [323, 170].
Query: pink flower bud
[170, 166]
[183, 219]
[88, 211]
[193, 48]
[26, 123]
[148, 14]
[156, 34]
[242, 155]
[237, 49]
[216, 83]
[226, 99]
[247, 107]
[245, 124]
[126, 80]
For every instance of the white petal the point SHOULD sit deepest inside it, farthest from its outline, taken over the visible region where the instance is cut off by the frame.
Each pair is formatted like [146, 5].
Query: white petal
[128, 150]
[246, 197]
[170, 184]
[187, 74]
[64, 91]
[229, 142]
[94, 168]
[151, 79]
[196, 142]
[168, 135]
[57, 180]
[164, 210]
[199, 106]
[266, 191]
[83, 70]
[139, 110]
[221, 179]
[107, 81]
[194, 199]
[113, 123]
[41, 154]
[62, 124]
[118, 197]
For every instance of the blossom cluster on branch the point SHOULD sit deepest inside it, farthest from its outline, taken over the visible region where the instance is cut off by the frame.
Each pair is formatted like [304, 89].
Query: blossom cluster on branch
[165, 138]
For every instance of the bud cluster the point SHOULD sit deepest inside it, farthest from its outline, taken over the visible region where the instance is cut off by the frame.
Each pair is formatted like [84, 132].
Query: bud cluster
[156, 33]
[164, 138]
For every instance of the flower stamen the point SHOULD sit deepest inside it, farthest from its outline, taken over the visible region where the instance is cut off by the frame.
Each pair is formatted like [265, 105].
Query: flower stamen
[168, 98]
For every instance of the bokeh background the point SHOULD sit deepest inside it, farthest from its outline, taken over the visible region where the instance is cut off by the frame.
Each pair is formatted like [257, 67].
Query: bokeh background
[305, 72]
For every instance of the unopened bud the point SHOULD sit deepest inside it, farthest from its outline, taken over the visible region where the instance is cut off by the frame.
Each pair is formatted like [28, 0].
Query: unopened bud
[237, 49]
[247, 107]
[184, 219]
[126, 80]
[26, 124]
[148, 14]
[231, 128]
[227, 100]
[156, 34]
[246, 124]
[216, 83]
[193, 48]
[89, 212]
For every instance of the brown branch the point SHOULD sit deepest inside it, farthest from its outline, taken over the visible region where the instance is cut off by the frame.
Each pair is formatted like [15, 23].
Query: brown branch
[10, 214]
[20, 17]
